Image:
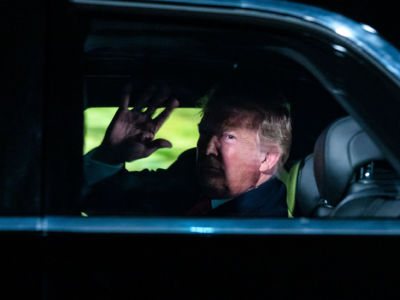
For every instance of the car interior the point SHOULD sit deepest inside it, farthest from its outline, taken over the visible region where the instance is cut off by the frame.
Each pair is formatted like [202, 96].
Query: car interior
[350, 173]
[334, 170]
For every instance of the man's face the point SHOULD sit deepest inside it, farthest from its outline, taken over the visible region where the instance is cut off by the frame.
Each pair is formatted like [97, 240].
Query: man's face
[229, 157]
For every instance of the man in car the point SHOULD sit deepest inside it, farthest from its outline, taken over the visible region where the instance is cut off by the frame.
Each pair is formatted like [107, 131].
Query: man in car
[244, 140]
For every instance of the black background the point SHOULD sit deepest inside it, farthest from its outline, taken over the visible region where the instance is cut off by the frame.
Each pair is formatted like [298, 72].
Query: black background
[381, 15]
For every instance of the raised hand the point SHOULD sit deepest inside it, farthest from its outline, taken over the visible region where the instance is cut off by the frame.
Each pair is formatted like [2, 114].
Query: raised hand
[130, 135]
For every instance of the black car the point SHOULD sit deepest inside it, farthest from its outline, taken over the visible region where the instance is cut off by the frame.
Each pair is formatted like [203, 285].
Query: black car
[342, 81]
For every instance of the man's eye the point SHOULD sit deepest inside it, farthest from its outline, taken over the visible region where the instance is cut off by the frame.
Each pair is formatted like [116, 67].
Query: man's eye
[229, 136]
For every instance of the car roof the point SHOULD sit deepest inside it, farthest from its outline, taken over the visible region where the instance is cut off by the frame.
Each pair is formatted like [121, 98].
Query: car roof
[358, 35]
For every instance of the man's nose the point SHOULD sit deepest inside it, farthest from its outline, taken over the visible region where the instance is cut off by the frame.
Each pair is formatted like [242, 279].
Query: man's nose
[212, 146]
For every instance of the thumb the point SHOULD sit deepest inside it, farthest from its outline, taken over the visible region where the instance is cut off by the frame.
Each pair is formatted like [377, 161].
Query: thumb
[158, 144]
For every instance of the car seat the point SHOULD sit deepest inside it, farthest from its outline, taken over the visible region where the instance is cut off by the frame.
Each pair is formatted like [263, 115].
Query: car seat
[352, 174]
[303, 199]
[346, 176]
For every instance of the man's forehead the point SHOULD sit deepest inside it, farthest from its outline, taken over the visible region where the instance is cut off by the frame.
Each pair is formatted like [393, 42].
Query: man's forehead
[229, 117]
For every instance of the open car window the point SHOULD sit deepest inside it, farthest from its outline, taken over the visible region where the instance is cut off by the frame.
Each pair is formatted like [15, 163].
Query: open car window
[318, 74]
[192, 61]
[181, 129]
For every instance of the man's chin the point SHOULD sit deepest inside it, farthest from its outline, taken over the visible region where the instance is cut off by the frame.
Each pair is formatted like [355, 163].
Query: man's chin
[214, 188]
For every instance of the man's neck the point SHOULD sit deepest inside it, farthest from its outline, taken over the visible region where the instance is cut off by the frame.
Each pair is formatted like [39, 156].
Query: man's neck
[263, 178]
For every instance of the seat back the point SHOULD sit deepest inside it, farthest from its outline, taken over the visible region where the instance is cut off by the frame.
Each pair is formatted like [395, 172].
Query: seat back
[352, 174]
[307, 195]
[373, 192]
[302, 192]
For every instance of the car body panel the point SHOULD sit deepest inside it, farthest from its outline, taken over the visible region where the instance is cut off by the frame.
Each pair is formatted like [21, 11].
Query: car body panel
[361, 35]
[72, 256]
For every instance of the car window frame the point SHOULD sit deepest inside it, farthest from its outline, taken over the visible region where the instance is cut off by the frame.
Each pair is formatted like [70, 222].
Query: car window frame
[52, 222]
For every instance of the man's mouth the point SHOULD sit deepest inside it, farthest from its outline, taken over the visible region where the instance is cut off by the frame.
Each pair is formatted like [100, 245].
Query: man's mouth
[210, 169]
[210, 166]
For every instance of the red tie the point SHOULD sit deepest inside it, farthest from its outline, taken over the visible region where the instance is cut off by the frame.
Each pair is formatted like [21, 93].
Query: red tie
[200, 208]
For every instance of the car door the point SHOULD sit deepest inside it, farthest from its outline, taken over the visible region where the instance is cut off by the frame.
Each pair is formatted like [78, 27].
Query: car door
[54, 250]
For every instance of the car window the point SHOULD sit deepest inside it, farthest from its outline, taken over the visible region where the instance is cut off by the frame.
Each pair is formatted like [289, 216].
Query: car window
[131, 64]
[181, 129]
[224, 81]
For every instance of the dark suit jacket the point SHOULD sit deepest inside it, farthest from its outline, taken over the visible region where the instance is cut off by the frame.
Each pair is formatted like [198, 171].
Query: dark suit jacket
[174, 192]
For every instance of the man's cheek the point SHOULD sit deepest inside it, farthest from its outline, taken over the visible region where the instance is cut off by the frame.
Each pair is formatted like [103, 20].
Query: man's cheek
[230, 153]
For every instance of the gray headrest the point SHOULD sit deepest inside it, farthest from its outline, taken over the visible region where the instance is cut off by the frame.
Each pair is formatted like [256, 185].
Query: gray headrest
[340, 150]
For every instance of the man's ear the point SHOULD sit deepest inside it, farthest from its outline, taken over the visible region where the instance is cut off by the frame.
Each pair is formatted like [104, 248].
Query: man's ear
[270, 159]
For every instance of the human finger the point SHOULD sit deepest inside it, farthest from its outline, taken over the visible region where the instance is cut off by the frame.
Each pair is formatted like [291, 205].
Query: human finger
[162, 117]
[158, 99]
[126, 96]
[153, 146]
[143, 97]
[161, 143]
[124, 105]
[125, 99]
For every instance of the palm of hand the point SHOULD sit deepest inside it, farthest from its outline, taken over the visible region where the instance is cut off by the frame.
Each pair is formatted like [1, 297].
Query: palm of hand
[131, 133]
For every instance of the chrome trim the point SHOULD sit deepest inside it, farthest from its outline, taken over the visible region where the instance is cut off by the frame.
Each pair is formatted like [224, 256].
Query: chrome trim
[197, 226]
[359, 35]
[201, 226]
[23, 224]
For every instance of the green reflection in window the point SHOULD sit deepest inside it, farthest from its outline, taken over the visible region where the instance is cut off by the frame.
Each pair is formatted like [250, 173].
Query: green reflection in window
[180, 129]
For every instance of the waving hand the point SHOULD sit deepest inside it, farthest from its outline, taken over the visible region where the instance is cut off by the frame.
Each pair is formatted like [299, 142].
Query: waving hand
[130, 135]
